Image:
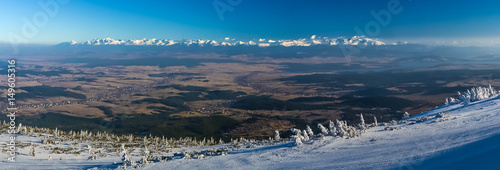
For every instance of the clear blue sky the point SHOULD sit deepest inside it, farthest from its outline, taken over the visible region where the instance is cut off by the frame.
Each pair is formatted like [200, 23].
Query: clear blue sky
[189, 19]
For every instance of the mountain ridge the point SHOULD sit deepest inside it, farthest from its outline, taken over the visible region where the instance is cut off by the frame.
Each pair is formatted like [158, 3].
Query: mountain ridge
[312, 41]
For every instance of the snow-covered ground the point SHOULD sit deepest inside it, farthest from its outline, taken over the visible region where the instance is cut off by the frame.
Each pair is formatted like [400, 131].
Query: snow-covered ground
[467, 138]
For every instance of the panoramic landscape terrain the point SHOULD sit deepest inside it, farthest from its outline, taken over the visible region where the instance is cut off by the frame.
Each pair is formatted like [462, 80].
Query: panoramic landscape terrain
[196, 89]
[235, 84]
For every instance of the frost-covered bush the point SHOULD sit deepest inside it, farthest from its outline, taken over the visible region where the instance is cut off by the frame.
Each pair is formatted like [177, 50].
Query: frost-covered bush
[309, 131]
[340, 129]
[323, 130]
[305, 136]
[362, 124]
[473, 94]
[362, 121]
[451, 100]
[406, 116]
[32, 150]
[333, 130]
[276, 136]
[297, 138]
[442, 116]
[346, 131]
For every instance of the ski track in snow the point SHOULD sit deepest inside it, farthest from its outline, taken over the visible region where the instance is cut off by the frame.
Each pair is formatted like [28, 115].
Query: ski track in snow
[468, 140]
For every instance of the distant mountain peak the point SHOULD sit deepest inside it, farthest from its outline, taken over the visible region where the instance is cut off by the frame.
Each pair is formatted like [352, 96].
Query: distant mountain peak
[313, 40]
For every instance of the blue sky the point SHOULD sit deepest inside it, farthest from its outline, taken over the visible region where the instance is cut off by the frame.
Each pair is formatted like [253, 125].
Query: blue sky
[192, 19]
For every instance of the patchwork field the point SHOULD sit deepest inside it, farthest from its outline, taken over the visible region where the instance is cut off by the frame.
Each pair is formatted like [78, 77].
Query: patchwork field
[212, 96]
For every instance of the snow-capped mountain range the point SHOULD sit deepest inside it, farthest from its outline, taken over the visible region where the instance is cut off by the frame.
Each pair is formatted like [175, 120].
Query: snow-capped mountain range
[313, 40]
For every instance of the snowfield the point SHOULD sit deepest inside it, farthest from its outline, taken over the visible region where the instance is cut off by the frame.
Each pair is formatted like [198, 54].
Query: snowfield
[466, 136]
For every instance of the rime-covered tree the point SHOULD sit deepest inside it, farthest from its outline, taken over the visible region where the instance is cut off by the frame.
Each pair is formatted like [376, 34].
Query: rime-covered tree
[465, 98]
[20, 127]
[125, 157]
[309, 131]
[305, 136]
[375, 123]
[323, 130]
[146, 156]
[32, 150]
[451, 100]
[333, 130]
[277, 135]
[90, 150]
[362, 124]
[340, 129]
[297, 137]
[130, 138]
[56, 132]
[476, 94]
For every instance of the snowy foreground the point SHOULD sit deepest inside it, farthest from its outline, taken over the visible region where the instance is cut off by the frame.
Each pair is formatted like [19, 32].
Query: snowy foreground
[466, 137]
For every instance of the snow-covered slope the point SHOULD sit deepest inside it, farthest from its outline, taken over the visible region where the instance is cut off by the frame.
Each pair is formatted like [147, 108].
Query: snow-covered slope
[314, 40]
[468, 139]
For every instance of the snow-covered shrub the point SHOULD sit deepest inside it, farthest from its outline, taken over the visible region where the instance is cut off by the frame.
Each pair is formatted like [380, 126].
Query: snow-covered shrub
[351, 132]
[451, 100]
[276, 136]
[475, 94]
[406, 116]
[146, 155]
[465, 98]
[344, 130]
[362, 122]
[309, 131]
[305, 136]
[20, 127]
[442, 116]
[297, 137]
[32, 150]
[91, 151]
[362, 125]
[125, 158]
[340, 129]
[324, 131]
[333, 130]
